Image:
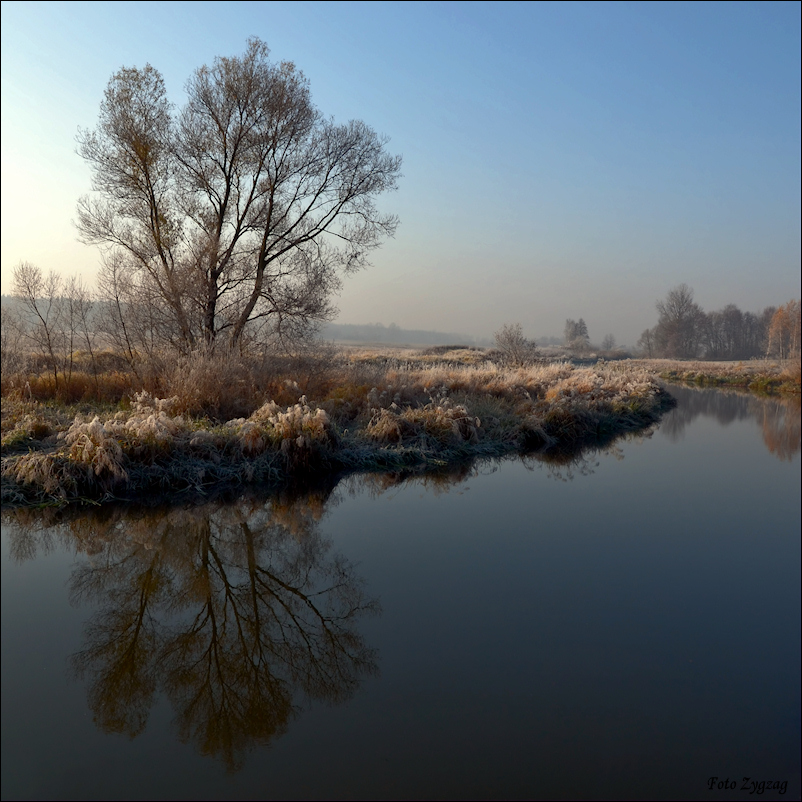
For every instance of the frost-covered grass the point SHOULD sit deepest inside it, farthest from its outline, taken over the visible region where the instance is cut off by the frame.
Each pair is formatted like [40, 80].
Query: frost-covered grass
[761, 375]
[359, 414]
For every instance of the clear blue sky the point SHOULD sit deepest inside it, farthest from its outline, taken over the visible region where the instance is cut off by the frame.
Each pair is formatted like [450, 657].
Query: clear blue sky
[560, 159]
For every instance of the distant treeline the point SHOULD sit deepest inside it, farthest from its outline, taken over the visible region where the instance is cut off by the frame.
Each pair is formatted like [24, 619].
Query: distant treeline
[685, 331]
[394, 334]
[55, 317]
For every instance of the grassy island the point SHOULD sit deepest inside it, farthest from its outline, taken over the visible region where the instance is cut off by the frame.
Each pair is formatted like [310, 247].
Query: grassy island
[356, 411]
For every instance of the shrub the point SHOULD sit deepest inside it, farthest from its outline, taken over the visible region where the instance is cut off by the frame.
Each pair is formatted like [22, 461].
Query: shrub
[442, 422]
[517, 350]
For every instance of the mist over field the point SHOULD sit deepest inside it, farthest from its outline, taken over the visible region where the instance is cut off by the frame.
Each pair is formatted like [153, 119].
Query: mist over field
[560, 161]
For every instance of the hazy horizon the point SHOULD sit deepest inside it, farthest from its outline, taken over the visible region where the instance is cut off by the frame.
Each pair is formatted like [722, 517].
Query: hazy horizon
[560, 160]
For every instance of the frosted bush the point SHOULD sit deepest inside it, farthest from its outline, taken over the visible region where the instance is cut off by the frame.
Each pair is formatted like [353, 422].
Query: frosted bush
[443, 422]
[92, 445]
[155, 429]
[40, 470]
[296, 427]
[145, 403]
[266, 412]
[252, 437]
[201, 438]
[103, 445]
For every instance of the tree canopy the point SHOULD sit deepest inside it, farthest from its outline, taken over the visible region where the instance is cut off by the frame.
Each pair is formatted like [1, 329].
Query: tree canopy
[234, 218]
[576, 335]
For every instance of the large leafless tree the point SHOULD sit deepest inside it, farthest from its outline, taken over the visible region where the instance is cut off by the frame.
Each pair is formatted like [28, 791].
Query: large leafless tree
[237, 215]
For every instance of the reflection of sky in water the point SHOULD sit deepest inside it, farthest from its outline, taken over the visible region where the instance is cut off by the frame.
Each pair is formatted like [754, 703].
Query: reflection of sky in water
[628, 631]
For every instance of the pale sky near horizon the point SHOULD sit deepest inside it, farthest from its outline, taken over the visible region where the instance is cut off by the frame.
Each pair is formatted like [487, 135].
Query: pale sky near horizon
[561, 160]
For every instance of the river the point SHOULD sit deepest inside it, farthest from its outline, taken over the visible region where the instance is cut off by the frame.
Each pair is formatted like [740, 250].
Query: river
[624, 625]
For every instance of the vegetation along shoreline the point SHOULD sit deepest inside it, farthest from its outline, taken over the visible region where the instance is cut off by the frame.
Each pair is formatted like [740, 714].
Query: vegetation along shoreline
[369, 415]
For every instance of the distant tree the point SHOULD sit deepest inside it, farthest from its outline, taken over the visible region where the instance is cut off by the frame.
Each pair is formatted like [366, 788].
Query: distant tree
[732, 325]
[679, 329]
[517, 349]
[43, 306]
[55, 317]
[783, 333]
[646, 343]
[12, 335]
[576, 335]
[729, 334]
[713, 335]
[754, 333]
[608, 343]
[234, 219]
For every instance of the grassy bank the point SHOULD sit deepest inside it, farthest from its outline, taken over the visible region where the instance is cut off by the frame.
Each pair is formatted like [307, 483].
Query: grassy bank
[762, 376]
[357, 412]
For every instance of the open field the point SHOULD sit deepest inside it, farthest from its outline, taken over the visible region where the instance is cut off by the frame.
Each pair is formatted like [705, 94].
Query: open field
[215, 422]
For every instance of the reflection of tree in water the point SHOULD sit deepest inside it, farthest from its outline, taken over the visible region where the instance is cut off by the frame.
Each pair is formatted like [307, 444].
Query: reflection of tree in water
[236, 612]
[778, 417]
[782, 426]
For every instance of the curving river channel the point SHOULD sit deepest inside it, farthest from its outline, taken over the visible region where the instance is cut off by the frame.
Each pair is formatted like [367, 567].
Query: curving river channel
[622, 625]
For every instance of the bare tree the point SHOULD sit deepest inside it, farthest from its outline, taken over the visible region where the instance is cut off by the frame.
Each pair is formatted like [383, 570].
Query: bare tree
[646, 343]
[12, 333]
[131, 316]
[79, 304]
[679, 330]
[517, 349]
[242, 212]
[44, 308]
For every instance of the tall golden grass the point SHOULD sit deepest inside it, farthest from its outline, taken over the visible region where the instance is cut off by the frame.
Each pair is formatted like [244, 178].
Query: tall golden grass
[209, 420]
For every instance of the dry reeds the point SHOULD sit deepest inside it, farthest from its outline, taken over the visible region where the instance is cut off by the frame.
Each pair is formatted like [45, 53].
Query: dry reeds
[231, 421]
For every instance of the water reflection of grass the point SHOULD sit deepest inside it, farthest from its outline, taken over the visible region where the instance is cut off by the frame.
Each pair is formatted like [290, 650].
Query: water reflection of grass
[410, 418]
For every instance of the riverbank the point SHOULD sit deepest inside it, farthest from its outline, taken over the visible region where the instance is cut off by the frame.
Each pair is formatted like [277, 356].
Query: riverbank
[762, 376]
[411, 416]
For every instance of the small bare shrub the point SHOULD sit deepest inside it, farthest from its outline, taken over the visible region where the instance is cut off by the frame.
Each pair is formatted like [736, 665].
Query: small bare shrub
[516, 348]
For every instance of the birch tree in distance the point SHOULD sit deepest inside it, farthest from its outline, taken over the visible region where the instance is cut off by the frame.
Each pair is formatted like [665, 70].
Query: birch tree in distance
[237, 216]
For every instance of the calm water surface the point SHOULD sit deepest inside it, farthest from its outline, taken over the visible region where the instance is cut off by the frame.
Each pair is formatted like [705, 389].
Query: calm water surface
[623, 626]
